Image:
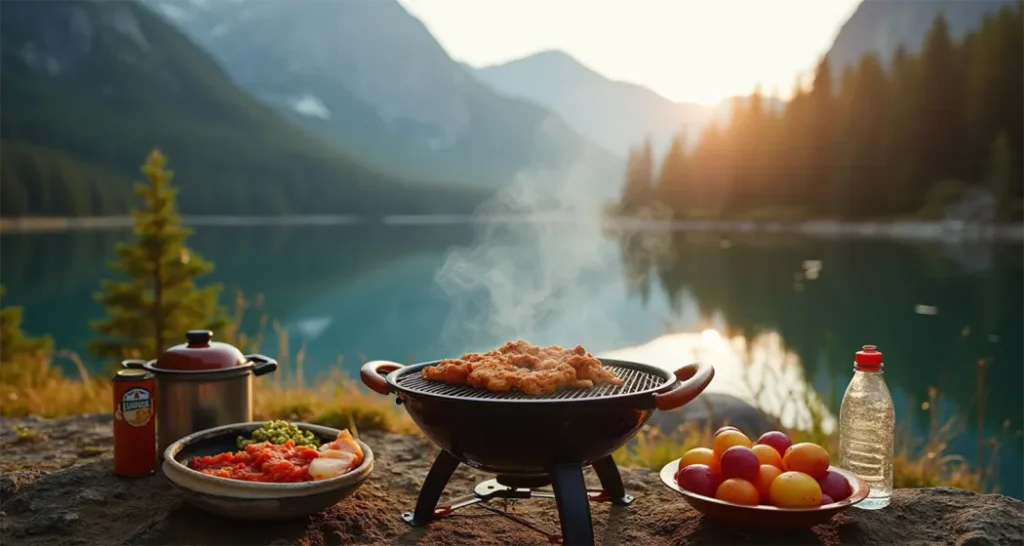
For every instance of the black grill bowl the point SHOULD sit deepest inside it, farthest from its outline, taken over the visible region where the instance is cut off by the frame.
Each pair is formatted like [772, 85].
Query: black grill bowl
[518, 434]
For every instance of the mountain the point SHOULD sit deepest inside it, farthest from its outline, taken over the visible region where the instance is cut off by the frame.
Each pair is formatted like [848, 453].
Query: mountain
[880, 26]
[615, 114]
[371, 78]
[90, 87]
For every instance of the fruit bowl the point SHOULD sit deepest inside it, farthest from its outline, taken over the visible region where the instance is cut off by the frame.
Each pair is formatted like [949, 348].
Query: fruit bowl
[764, 516]
[255, 500]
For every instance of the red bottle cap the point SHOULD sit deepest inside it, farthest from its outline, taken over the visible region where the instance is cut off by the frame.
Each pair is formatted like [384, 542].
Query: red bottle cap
[868, 357]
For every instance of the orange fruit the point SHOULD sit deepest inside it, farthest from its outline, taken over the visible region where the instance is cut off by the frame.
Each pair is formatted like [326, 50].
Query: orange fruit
[699, 455]
[767, 455]
[738, 491]
[794, 490]
[727, 439]
[811, 459]
[765, 476]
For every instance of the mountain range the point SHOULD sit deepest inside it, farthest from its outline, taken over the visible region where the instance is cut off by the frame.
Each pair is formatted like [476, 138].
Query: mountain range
[370, 78]
[615, 114]
[881, 26]
[319, 106]
[90, 87]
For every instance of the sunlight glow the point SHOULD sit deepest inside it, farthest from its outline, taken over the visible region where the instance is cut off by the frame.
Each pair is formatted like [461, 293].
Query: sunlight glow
[710, 337]
[759, 371]
[687, 50]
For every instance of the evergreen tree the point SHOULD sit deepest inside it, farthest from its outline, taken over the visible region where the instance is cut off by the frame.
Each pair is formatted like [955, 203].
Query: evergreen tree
[999, 175]
[14, 341]
[673, 184]
[899, 146]
[866, 127]
[159, 300]
[891, 138]
[638, 191]
[939, 109]
[821, 142]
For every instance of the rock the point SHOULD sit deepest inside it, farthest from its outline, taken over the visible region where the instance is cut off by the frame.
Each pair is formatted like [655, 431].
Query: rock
[716, 409]
[87, 504]
[11, 482]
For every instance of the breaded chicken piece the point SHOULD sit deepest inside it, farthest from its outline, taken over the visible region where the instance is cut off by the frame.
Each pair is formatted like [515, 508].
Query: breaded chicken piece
[519, 365]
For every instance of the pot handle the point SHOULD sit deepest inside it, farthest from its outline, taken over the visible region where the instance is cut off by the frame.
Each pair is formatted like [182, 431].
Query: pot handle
[694, 379]
[373, 372]
[264, 364]
[134, 364]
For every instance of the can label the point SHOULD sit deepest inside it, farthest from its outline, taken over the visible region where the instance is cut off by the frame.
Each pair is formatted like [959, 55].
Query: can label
[136, 407]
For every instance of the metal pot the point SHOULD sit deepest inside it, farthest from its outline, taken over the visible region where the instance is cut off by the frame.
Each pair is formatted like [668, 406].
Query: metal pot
[202, 384]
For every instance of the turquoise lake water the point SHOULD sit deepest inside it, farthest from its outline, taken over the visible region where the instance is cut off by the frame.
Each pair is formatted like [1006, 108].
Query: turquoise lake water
[415, 293]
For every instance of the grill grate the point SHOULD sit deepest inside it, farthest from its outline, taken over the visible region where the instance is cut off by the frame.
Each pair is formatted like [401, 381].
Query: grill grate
[634, 381]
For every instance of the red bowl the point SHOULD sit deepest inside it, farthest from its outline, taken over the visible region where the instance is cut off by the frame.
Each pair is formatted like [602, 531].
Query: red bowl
[762, 516]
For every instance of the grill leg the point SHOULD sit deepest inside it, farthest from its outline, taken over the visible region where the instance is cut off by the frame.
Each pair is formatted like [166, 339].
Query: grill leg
[611, 481]
[573, 504]
[440, 472]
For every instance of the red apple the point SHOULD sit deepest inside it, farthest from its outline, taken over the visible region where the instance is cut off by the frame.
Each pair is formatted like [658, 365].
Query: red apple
[825, 499]
[776, 439]
[835, 485]
[699, 479]
[740, 462]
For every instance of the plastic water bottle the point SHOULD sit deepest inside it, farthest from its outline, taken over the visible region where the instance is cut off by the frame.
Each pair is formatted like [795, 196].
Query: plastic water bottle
[867, 428]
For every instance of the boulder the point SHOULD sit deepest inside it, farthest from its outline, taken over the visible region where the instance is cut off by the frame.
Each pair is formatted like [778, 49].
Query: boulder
[717, 410]
[75, 499]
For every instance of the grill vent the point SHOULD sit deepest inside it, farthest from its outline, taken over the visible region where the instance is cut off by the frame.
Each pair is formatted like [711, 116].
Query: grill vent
[634, 381]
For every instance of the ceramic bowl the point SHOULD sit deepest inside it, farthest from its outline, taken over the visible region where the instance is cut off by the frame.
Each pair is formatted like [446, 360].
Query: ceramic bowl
[766, 517]
[239, 499]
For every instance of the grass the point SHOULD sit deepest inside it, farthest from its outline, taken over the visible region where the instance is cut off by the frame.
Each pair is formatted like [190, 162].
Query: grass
[32, 385]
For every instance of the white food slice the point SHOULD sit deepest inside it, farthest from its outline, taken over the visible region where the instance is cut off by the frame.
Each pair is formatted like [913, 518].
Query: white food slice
[349, 458]
[325, 468]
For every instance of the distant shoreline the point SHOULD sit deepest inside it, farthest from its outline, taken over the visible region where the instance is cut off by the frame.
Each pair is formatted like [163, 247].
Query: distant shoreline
[897, 230]
[901, 230]
[41, 223]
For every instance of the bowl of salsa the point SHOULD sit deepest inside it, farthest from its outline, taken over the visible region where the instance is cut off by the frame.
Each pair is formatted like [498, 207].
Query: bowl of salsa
[276, 479]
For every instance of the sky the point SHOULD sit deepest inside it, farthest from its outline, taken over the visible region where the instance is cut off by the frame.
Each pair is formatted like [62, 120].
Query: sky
[686, 50]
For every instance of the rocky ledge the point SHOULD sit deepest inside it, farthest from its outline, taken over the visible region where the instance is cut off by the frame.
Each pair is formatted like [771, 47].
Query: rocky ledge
[57, 488]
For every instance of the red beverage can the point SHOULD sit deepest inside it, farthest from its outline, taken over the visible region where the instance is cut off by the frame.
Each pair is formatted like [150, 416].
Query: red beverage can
[134, 423]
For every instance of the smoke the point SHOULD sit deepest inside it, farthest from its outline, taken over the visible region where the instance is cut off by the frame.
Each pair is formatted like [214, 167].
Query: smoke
[537, 261]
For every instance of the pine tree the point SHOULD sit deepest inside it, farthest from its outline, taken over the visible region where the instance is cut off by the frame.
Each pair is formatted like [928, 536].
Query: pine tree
[159, 301]
[867, 130]
[999, 175]
[638, 191]
[673, 180]
[14, 341]
[939, 109]
[899, 146]
[821, 142]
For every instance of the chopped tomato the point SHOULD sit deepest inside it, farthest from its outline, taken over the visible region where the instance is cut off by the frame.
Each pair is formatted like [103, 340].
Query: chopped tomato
[263, 462]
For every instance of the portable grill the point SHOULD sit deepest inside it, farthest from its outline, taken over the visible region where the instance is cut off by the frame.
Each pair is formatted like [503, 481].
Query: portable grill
[534, 441]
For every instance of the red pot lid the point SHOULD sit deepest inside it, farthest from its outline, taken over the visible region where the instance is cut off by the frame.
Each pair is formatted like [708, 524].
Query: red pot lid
[200, 353]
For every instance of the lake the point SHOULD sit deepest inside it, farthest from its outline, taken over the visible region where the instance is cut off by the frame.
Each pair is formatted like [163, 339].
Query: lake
[347, 293]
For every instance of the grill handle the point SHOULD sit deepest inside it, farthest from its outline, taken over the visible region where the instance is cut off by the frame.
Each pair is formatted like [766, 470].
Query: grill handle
[694, 378]
[372, 373]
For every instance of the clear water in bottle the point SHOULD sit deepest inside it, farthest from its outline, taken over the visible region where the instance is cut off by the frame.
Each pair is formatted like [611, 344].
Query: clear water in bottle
[867, 428]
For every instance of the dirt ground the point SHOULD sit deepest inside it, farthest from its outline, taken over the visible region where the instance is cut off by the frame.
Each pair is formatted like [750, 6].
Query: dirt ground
[58, 489]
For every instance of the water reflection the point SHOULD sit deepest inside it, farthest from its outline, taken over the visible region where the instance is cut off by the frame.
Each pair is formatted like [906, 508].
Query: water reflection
[760, 371]
[936, 311]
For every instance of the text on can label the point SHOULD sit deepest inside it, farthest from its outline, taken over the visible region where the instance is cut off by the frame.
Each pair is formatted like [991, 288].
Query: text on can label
[136, 407]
